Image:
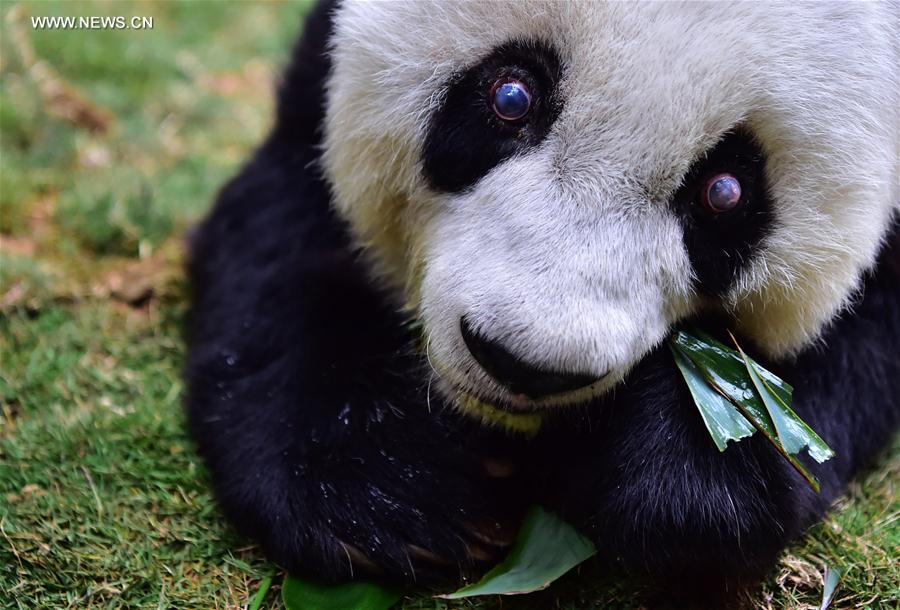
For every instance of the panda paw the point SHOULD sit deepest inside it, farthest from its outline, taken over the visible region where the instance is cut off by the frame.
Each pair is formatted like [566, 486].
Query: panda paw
[643, 479]
[422, 507]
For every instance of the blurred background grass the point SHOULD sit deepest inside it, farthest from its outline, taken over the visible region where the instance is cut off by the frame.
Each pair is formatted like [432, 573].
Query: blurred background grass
[111, 143]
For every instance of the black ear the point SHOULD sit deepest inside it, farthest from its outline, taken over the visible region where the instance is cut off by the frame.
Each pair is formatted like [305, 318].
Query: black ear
[301, 94]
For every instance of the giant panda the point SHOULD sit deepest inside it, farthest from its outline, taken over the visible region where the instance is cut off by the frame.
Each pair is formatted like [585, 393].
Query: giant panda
[469, 213]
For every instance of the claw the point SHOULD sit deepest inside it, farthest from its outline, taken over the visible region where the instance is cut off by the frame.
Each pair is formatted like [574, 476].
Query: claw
[492, 533]
[360, 559]
[422, 554]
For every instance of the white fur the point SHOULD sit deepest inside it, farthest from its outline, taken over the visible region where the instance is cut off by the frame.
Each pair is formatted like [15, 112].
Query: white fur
[568, 254]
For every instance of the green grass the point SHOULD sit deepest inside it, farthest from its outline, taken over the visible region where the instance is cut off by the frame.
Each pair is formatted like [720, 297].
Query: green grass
[102, 501]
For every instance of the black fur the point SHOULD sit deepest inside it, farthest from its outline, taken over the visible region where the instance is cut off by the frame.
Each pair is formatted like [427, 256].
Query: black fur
[311, 409]
[465, 139]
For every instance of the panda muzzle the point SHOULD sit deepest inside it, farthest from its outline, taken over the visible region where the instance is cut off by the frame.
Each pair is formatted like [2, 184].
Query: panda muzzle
[517, 376]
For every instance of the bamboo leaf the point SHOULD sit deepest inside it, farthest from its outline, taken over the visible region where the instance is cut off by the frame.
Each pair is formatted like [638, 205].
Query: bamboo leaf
[725, 371]
[723, 421]
[792, 432]
[300, 594]
[761, 397]
[546, 548]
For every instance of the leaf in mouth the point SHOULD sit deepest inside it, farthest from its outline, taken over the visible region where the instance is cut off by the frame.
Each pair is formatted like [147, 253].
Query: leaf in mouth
[733, 392]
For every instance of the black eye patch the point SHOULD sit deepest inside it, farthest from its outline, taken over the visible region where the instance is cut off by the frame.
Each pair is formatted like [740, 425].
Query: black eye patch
[466, 138]
[721, 240]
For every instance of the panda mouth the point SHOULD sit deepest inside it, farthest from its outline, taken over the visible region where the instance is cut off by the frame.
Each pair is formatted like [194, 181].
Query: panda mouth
[526, 382]
[522, 404]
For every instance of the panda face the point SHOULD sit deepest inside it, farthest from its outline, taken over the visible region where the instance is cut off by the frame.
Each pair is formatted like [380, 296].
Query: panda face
[554, 185]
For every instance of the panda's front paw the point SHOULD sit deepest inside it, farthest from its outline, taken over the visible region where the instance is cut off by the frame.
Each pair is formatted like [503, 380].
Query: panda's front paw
[640, 475]
[407, 499]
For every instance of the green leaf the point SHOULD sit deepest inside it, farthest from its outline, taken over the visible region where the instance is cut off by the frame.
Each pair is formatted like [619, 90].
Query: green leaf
[725, 371]
[793, 433]
[304, 595]
[723, 421]
[832, 579]
[545, 549]
[260, 596]
[761, 397]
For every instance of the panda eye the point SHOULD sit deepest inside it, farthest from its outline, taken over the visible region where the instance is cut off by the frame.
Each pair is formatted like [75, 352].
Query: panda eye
[721, 193]
[725, 209]
[510, 99]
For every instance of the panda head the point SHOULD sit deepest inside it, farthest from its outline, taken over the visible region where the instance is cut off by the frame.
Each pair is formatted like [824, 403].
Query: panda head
[553, 185]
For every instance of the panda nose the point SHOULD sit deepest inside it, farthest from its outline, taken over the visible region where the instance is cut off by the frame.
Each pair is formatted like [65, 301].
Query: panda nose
[517, 376]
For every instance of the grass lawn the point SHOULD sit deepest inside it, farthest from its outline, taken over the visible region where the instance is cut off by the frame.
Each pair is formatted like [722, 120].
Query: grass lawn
[111, 143]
